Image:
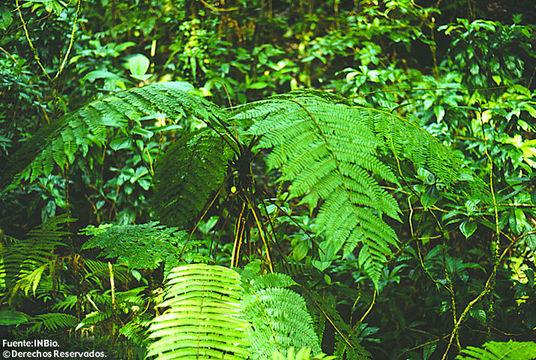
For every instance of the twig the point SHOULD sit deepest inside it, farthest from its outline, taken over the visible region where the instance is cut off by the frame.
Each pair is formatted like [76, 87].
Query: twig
[30, 42]
[70, 42]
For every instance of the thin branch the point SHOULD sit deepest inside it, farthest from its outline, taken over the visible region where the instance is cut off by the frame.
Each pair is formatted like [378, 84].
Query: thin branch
[30, 42]
[70, 42]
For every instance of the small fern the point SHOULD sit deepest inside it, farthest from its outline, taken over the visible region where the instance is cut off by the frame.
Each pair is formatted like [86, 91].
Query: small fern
[142, 246]
[493, 350]
[24, 262]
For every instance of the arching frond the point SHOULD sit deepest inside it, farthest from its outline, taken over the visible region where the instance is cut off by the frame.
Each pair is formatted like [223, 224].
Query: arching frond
[52, 322]
[76, 132]
[332, 155]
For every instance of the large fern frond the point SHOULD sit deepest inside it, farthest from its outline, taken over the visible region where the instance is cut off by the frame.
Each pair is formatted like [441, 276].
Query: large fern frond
[204, 319]
[332, 154]
[493, 350]
[189, 171]
[142, 246]
[76, 132]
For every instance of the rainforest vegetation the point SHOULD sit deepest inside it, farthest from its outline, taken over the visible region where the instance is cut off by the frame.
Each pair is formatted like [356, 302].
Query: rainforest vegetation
[268, 179]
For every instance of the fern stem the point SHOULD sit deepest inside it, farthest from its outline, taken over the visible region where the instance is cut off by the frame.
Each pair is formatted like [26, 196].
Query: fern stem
[496, 243]
[261, 232]
[369, 308]
[239, 232]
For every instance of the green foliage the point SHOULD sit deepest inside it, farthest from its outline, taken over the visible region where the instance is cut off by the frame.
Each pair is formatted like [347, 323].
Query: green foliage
[52, 322]
[460, 70]
[75, 133]
[493, 350]
[197, 296]
[24, 262]
[302, 354]
[252, 321]
[143, 246]
[192, 168]
[278, 316]
[331, 152]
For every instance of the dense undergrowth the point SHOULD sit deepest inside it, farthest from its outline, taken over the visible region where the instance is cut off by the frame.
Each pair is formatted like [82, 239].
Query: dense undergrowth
[352, 178]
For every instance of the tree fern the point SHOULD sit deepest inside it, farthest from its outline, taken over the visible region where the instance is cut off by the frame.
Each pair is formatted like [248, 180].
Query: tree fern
[204, 318]
[331, 154]
[493, 350]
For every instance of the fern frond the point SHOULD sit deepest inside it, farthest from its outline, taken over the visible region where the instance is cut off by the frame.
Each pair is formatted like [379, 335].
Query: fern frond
[52, 322]
[279, 320]
[333, 155]
[74, 133]
[330, 154]
[12, 317]
[302, 354]
[189, 171]
[493, 350]
[204, 317]
[142, 246]
[24, 261]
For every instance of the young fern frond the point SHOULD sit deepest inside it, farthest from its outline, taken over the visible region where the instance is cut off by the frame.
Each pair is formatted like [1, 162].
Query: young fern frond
[332, 155]
[189, 171]
[493, 350]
